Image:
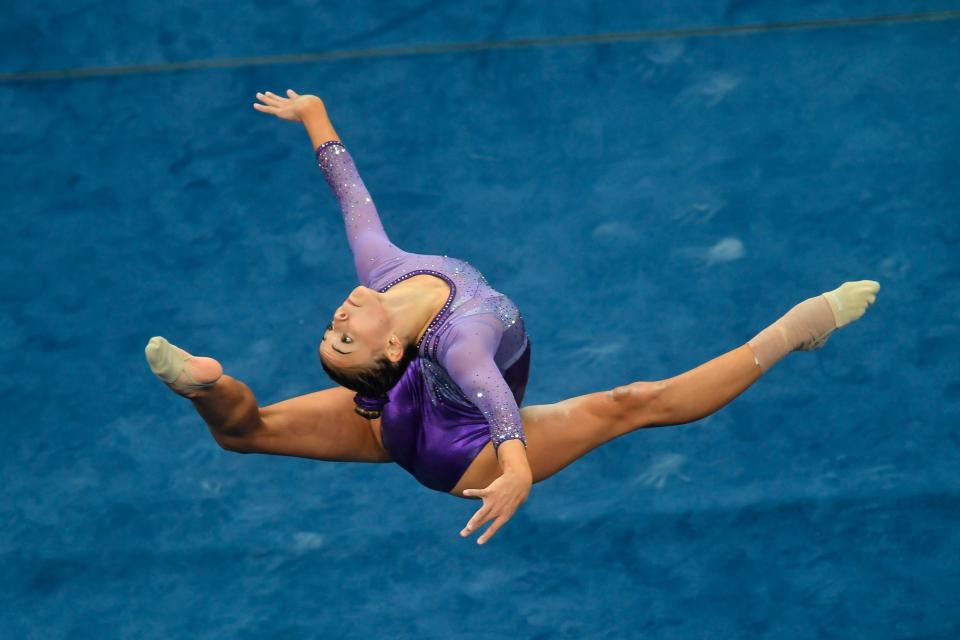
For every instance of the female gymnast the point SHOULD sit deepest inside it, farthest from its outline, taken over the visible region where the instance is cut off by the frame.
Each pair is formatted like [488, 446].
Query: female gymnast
[431, 365]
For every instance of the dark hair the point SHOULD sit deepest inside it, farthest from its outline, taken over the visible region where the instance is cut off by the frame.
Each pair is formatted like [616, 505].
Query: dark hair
[374, 381]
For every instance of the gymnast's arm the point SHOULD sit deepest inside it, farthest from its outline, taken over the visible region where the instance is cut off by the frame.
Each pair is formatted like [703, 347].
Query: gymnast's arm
[467, 355]
[368, 241]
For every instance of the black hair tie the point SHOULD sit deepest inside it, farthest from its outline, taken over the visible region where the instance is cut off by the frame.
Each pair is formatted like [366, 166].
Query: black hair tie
[370, 407]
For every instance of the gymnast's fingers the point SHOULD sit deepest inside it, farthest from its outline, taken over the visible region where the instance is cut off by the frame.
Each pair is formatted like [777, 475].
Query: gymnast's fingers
[480, 517]
[264, 108]
[492, 529]
[271, 98]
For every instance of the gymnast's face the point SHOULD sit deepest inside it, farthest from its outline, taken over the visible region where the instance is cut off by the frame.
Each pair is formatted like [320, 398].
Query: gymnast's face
[359, 331]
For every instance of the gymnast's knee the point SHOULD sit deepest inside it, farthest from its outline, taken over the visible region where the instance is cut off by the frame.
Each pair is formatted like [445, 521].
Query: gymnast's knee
[639, 403]
[246, 439]
[234, 444]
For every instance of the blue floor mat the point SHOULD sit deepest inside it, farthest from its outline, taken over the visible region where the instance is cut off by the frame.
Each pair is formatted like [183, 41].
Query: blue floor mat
[650, 200]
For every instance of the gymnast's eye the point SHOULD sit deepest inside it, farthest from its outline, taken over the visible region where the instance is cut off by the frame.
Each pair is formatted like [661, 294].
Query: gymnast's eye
[345, 339]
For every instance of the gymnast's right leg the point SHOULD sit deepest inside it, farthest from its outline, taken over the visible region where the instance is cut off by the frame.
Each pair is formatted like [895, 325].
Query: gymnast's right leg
[320, 425]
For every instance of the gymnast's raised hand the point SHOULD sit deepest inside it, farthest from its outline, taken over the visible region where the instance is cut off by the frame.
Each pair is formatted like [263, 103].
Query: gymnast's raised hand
[290, 108]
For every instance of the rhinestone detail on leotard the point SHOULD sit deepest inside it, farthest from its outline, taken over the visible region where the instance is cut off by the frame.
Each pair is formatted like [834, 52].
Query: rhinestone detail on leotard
[437, 319]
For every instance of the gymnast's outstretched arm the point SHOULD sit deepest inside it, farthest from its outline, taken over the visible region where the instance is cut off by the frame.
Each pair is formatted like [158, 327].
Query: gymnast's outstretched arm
[368, 241]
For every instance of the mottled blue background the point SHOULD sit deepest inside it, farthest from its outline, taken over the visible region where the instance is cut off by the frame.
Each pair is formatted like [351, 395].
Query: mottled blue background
[649, 204]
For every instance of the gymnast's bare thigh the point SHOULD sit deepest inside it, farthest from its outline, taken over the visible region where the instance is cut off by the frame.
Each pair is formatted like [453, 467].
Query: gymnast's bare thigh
[562, 432]
[321, 425]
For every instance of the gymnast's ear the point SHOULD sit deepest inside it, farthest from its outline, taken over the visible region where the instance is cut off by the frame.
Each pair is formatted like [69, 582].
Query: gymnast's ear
[394, 349]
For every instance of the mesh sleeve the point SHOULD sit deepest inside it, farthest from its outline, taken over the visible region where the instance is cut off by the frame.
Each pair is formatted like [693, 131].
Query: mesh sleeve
[368, 241]
[468, 358]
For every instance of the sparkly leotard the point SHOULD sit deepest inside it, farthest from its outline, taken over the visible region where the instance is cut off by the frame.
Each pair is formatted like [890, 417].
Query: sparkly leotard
[466, 386]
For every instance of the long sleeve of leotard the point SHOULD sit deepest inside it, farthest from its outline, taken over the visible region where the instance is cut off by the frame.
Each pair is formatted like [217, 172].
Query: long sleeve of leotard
[468, 357]
[368, 241]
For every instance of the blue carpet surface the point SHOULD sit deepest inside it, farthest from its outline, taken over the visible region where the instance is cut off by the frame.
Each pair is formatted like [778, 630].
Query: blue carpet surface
[650, 200]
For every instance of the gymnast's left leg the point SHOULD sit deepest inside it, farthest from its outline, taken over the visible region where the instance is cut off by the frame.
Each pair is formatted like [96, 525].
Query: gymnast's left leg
[560, 433]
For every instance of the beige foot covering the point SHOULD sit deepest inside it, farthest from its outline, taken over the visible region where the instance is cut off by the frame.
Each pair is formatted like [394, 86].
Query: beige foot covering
[178, 369]
[808, 325]
[850, 300]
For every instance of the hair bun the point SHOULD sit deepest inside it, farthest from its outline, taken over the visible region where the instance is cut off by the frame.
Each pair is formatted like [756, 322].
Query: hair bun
[370, 407]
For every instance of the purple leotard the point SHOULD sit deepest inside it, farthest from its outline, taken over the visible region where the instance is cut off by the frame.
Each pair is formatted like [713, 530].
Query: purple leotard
[466, 386]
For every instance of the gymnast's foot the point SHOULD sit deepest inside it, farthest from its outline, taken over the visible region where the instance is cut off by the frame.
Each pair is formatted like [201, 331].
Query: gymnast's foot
[187, 375]
[850, 300]
[808, 325]
[848, 303]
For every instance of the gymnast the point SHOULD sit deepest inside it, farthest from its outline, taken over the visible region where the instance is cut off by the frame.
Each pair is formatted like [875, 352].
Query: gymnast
[431, 366]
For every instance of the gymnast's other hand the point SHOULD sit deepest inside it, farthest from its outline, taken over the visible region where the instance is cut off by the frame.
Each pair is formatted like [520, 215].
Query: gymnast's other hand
[500, 501]
[291, 108]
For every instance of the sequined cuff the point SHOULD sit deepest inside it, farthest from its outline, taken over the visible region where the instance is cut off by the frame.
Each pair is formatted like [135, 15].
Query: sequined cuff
[497, 443]
[323, 146]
